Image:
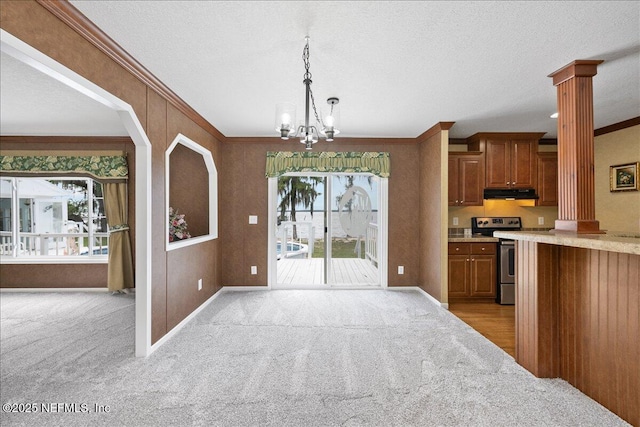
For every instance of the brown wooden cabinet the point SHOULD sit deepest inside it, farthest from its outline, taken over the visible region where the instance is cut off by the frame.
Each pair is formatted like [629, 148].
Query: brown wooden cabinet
[466, 178]
[472, 270]
[510, 158]
[547, 186]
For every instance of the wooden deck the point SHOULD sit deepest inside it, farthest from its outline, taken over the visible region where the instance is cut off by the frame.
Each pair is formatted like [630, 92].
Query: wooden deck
[310, 272]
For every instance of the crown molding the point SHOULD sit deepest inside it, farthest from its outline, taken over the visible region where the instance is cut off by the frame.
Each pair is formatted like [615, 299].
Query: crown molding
[71, 16]
[617, 126]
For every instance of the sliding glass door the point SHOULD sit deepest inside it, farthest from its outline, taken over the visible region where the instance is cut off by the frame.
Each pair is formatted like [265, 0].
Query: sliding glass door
[327, 231]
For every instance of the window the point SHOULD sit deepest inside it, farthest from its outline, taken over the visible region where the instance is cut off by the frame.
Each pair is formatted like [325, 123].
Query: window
[52, 218]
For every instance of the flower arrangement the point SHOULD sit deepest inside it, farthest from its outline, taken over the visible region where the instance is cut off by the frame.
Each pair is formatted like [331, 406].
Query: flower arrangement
[177, 226]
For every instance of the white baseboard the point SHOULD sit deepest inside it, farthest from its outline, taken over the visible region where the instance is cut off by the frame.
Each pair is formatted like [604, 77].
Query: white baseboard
[183, 323]
[34, 290]
[422, 291]
[243, 288]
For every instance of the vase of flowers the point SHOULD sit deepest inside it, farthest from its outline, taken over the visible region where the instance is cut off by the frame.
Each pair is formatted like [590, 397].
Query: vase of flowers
[177, 226]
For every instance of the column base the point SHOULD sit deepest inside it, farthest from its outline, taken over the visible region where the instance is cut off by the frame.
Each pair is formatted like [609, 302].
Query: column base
[578, 226]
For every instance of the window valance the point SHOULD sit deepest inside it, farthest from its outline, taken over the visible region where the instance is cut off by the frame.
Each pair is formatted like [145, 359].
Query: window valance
[100, 165]
[281, 162]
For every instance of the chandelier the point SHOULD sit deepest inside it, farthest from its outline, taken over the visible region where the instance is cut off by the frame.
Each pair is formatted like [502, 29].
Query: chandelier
[308, 134]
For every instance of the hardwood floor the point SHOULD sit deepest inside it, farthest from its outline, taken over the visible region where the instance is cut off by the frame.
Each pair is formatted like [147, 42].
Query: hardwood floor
[494, 321]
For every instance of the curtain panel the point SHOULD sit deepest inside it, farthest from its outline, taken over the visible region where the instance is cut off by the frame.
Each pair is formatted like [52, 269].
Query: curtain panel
[101, 167]
[281, 162]
[120, 268]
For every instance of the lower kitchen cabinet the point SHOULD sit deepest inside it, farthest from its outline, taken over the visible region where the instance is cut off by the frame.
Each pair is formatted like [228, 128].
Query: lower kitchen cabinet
[472, 270]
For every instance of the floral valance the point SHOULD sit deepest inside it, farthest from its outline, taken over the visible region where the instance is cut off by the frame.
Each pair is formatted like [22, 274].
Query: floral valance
[98, 165]
[281, 162]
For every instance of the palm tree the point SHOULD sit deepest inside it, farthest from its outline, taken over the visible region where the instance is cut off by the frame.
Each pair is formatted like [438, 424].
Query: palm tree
[296, 191]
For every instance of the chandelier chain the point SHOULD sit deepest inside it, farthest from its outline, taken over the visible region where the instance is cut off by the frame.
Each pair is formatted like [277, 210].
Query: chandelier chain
[307, 76]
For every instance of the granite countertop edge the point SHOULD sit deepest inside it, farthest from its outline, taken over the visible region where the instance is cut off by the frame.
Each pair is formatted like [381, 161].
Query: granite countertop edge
[623, 242]
[473, 239]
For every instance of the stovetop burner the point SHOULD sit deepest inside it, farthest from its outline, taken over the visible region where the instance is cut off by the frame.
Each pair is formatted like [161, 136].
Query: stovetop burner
[487, 225]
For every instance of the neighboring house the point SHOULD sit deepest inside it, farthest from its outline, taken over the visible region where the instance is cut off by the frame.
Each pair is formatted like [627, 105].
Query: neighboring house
[42, 210]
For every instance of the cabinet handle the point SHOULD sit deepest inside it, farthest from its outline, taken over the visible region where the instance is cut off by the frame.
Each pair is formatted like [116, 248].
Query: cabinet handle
[461, 201]
[467, 259]
[457, 249]
[472, 259]
[483, 249]
[508, 183]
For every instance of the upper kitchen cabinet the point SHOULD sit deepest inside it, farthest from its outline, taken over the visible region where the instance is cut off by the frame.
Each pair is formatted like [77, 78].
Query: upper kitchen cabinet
[547, 179]
[466, 178]
[510, 158]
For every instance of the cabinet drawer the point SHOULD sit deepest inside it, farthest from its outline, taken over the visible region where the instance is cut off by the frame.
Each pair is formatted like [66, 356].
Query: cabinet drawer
[483, 248]
[459, 248]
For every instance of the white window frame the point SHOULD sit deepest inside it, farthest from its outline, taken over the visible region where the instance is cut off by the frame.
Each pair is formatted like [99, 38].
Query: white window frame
[16, 258]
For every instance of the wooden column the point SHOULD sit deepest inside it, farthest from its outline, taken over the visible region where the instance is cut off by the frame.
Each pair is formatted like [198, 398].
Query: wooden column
[576, 191]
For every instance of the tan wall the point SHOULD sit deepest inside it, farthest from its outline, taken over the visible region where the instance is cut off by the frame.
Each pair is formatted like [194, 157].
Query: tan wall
[244, 191]
[617, 211]
[529, 214]
[173, 295]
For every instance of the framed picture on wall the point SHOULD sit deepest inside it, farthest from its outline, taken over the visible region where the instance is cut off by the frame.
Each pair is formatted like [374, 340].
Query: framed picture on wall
[624, 177]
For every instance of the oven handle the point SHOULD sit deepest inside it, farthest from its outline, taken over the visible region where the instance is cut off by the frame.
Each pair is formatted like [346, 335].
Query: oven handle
[507, 242]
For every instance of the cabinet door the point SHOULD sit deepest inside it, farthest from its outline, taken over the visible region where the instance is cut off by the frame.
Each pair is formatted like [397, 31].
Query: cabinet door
[498, 164]
[483, 276]
[547, 179]
[458, 276]
[471, 172]
[454, 180]
[523, 164]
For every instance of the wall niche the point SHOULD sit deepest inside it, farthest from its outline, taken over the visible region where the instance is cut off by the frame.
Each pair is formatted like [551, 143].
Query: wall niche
[192, 190]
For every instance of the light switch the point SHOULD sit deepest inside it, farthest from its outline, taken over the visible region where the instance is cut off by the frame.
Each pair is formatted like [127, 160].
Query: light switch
[455, 220]
[253, 219]
[254, 269]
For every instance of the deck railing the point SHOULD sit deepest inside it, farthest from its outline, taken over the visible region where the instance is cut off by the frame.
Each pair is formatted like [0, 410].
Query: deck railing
[371, 243]
[55, 244]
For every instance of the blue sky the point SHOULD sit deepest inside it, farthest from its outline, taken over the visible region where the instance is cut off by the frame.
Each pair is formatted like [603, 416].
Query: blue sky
[339, 188]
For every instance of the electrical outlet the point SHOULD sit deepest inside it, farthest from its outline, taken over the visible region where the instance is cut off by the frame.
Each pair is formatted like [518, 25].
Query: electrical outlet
[254, 269]
[253, 219]
[199, 284]
[401, 269]
[540, 220]
[455, 220]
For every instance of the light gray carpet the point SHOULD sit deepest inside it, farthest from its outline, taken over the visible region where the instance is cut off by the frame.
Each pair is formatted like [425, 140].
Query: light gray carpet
[279, 358]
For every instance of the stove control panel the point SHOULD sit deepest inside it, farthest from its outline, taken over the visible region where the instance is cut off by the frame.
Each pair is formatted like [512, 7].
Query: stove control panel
[501, 222]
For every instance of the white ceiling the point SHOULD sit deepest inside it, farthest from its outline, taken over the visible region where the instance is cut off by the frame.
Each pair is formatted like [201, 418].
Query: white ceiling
[397, 67]
[33, 103]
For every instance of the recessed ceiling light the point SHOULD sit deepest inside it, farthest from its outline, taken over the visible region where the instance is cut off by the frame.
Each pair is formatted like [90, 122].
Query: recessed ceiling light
[554, 116]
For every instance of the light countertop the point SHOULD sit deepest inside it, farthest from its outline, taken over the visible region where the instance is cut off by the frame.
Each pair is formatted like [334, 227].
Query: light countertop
[623, 242]
[472, 239]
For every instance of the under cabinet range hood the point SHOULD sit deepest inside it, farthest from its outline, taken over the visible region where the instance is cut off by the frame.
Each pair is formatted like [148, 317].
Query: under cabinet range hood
[510, 194]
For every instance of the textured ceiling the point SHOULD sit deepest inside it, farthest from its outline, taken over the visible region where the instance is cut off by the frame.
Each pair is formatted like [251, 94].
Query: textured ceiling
[397, 67]
[33, 103]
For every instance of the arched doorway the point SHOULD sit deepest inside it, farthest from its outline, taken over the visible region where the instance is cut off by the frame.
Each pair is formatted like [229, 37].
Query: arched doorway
[22, 51]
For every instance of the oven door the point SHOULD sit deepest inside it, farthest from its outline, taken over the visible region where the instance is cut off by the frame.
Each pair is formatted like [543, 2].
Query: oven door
[507, 261]
[507, 273]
